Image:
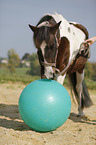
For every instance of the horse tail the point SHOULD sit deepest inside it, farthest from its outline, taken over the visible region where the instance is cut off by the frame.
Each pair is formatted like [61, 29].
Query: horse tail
[86, 100]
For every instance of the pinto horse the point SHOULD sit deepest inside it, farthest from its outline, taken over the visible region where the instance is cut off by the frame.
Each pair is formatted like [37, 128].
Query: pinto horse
[61, 52]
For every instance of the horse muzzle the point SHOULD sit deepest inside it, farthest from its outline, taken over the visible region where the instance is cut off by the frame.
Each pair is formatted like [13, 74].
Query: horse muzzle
[50, 70]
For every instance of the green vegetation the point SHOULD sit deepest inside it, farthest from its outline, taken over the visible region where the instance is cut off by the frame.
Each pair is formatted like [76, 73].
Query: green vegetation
[13, 60]
[21, 76]
[18, 76]
[34, 65]
[91, 84]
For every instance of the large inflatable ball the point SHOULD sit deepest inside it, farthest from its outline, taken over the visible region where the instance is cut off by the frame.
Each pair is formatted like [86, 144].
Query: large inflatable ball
[44, 105]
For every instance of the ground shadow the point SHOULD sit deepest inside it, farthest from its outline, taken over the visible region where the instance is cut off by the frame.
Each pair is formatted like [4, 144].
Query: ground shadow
[83, 119]
[10, 118]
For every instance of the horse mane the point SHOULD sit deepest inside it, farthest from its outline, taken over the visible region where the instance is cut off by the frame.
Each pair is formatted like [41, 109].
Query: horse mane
[48, 18]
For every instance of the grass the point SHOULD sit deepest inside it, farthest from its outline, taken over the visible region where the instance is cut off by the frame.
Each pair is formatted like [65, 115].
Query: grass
[91, 84]
[20, 76]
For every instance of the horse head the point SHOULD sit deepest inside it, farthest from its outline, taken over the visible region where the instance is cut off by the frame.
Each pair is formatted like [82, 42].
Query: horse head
[46, 38]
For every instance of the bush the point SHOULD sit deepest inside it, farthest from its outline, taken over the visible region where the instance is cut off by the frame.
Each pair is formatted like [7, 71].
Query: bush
[34, 65]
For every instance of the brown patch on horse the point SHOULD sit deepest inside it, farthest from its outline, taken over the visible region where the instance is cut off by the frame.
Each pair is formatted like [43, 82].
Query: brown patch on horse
[81, 27]
[63, 53]
[77, 65]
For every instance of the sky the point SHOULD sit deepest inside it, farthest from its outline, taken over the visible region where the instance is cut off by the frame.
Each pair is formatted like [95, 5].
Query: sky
[15, 15]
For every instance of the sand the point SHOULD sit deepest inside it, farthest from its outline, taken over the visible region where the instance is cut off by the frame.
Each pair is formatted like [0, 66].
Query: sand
[13, 131]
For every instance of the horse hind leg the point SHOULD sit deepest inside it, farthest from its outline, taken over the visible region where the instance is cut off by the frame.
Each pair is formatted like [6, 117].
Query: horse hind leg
[80, 78]
[80, 90]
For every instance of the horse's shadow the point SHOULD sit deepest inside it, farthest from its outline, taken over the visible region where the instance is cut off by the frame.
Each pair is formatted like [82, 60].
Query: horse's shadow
[10, 118]
[83, 119]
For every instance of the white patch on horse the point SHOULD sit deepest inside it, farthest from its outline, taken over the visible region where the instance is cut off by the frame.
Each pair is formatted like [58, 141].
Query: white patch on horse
[60, 79]
[48, 69]
[49, 72]
[43, 46]
[45, 23]
[75, 37]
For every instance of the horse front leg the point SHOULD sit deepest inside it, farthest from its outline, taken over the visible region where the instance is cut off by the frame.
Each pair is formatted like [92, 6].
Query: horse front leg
[60, 79]
[80, 78]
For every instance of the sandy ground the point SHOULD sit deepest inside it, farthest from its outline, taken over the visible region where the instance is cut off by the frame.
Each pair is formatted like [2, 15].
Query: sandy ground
[13, 131]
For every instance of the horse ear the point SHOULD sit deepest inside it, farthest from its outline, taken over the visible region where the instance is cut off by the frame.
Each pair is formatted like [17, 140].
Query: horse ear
[54, 28]
[33, 28]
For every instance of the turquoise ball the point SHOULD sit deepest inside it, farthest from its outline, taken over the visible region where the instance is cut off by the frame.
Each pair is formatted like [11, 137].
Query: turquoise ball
[44, 105]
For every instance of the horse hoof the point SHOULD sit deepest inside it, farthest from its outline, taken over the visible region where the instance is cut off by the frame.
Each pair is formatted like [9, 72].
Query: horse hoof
[81, 114]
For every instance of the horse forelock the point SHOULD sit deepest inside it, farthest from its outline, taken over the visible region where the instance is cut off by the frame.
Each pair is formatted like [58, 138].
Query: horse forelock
[41, 35]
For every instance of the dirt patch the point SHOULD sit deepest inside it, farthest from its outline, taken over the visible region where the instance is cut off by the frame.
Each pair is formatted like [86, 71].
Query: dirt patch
[13, 131]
